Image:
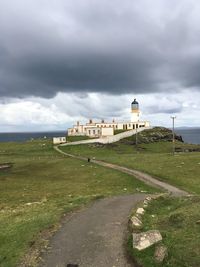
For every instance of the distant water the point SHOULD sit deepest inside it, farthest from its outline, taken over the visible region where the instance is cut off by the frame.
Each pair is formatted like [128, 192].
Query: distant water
[189, 135]
[20, 137]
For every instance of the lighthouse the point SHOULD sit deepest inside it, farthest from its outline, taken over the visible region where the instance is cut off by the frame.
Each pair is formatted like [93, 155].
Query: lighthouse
[106, 129]
[135, 112]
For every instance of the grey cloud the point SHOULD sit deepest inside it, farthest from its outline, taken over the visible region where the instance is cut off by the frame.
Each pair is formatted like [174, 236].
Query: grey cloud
[48, 47]
[169, 110]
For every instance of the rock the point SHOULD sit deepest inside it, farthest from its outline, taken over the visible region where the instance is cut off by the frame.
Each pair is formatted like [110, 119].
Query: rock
[148, 199]
[145, 203]
[140, 211]
[146, 239]
[198, 222]
[160, 253]
[136, 223]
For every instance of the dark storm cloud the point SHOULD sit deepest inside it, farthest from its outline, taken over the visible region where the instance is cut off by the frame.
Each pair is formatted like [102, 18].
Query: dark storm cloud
[98, 46]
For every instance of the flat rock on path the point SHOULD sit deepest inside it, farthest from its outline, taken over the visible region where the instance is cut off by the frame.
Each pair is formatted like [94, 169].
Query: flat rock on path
[93, 237]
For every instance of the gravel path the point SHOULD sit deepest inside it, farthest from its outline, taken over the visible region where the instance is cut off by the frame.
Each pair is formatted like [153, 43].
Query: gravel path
[94, 237]
[146, 178]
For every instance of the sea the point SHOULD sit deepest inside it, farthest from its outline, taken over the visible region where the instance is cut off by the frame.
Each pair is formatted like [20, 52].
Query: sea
[27, 136]
[189, 135]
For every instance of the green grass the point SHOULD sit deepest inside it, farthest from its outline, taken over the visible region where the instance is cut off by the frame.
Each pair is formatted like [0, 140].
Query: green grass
[77, 138]
[119, 131]
[182, 170]
[176, 219]
[41, 186]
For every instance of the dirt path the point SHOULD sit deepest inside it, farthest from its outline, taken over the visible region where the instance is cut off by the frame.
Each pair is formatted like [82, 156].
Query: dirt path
[94, 237]
[146, 178]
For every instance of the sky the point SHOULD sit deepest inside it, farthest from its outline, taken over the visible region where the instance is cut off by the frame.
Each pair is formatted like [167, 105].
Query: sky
[68, 60]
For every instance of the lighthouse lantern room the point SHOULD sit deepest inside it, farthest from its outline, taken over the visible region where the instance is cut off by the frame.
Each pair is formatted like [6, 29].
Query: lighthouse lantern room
[135, 112]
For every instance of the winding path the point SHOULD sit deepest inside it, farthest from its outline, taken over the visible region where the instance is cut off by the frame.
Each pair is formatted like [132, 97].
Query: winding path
[146, 178]
[94, 236]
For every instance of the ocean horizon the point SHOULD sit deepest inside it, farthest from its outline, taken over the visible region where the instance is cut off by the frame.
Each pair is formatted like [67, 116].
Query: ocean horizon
[27, 136]
[189, 135]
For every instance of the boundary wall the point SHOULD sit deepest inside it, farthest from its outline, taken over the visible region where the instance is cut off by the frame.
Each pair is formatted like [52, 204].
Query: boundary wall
[108, 139]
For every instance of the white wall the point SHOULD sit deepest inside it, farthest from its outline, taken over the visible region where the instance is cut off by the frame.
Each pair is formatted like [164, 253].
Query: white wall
[117, 137]
[109, 139]
[135, 116]
[59, 140]
[108, 131]
[120, 126]
[93, 131]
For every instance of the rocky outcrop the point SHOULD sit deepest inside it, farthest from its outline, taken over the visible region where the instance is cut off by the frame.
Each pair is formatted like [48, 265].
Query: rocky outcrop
[155, 134]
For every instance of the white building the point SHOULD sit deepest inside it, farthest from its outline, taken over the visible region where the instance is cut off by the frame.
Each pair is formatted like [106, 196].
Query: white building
[101, 129]
[59, 140]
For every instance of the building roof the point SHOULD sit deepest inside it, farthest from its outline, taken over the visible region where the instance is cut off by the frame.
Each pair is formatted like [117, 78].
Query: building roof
[135, 102]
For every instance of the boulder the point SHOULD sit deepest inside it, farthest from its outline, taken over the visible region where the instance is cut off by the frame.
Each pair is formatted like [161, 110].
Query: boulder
[160, 253]
[146, 239]
[148, 199]
[140, 211]
[136, 223]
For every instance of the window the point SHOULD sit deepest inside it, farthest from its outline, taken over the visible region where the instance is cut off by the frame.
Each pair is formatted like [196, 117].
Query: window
[89, 132]
[93, 131]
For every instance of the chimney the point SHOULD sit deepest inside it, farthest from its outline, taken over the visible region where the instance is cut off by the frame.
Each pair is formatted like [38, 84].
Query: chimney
[90, 121]
[78, 123]
[102, 121]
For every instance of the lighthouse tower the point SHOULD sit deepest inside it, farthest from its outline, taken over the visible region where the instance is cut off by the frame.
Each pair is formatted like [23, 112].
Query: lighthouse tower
[135, 112]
